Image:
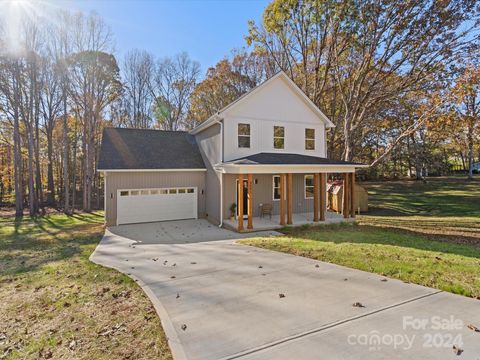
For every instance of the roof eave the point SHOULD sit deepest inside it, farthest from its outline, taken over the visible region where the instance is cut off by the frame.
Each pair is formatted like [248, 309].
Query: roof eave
[286, 168]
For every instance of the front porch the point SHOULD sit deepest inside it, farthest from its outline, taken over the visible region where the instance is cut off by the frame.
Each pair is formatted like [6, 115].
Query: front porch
[292, 188]
[265, 223]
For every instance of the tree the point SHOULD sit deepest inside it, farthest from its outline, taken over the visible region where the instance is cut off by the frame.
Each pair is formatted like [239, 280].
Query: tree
[138, 68]
[174, 81]
[365, 53]
[95, 83]
[466, 106]
[223, 84]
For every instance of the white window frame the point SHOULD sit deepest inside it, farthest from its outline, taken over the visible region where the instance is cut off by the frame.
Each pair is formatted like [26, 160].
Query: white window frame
[249, 136]
[305, 186]
[157, 191]
[279, 137]
[273, 186]
[310, 139]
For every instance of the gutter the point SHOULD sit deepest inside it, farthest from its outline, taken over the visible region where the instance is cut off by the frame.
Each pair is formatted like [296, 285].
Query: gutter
[221, 175]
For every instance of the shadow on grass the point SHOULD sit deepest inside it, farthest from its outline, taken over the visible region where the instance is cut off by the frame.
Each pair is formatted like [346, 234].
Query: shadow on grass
[26, 246]
[438, 197]
[364, 234]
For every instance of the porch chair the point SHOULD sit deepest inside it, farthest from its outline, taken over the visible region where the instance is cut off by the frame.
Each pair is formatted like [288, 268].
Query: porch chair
[266, 209]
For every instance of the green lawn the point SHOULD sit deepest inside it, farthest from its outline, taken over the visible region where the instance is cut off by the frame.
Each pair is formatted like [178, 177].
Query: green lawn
[56, 303]
[427, 234]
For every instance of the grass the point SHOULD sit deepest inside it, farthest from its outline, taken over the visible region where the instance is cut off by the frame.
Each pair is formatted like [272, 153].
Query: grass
[428, 234]
[57, 304]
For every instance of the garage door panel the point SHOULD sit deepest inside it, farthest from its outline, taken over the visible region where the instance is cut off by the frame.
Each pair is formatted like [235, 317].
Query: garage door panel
[158, 205]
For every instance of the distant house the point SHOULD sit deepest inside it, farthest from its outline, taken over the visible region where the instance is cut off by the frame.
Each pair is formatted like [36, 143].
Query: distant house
[266, 150]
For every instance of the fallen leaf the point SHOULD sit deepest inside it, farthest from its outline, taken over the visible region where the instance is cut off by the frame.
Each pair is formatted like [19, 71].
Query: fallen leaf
[457, 350]
[358, 304]
[72, 345]
[473, 328]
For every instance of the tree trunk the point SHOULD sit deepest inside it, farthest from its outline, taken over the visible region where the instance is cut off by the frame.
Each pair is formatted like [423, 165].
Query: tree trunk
[50, 181]
[38, 170]
[31, 185]
[66, 182]
[17, 160]
[74, 180]
[470, 158]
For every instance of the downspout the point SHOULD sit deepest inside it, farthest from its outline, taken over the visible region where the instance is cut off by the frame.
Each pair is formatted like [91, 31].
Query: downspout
[221, 175]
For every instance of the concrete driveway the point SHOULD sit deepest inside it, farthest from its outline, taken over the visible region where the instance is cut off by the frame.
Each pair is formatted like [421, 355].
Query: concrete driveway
[240, 302]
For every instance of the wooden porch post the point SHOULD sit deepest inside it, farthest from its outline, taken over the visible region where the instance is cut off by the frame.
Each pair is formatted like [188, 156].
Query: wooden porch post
[289, 199]
[346, 190]
[282, 199]
[352, 194]
[240, 202]
[315, 197]
[323, 196]
[250, 202]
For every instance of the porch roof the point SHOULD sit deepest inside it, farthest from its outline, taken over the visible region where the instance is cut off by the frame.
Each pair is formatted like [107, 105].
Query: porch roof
[285, 162]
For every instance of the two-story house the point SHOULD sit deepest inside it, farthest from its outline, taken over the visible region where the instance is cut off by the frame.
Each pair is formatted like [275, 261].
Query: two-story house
[264, 154]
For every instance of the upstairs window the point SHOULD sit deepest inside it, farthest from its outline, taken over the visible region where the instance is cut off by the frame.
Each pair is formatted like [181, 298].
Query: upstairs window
[309, 186]
[309, 139]
[243, 135]
[278, 137]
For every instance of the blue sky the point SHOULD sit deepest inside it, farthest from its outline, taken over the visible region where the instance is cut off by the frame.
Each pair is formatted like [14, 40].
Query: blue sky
[208, 30]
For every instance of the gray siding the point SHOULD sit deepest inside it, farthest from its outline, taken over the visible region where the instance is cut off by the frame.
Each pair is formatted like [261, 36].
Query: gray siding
[262, 193]
[210, 144]
[145, 180]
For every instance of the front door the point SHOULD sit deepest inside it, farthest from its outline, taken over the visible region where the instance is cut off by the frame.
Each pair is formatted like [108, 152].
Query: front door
[244, 200]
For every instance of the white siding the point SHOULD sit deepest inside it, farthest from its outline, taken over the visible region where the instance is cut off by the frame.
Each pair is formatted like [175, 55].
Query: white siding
[274, 105]
[210, 144]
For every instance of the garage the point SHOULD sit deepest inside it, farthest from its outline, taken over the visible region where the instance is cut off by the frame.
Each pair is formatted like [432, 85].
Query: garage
[148, 205]
[151, 175]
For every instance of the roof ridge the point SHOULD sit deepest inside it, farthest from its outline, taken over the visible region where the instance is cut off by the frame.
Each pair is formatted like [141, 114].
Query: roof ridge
[141, 129]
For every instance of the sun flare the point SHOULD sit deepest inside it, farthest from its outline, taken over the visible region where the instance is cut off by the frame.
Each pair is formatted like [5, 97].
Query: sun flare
[15, 14]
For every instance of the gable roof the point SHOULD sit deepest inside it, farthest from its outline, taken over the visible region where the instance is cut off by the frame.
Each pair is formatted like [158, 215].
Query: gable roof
[141, 149]
[212, 119]
[287, 159]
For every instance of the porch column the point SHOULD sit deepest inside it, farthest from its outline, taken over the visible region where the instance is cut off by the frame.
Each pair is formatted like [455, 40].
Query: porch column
[352, 194]
[250, 202]
[315, 196]
[240, 202]
[346, 198]
[282, 199]
[323, 196]
[289, 198]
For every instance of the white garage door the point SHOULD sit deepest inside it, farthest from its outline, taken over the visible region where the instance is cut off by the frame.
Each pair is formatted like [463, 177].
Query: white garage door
[146, 205]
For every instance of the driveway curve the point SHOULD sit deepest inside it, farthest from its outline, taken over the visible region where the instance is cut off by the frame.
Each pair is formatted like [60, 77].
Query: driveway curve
[221, 300]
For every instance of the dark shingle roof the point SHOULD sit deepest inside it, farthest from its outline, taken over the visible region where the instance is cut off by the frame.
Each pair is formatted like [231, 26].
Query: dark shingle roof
[287, 159]
[148, 149]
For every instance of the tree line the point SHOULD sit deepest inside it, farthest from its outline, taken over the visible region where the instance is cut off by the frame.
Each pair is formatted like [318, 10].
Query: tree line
[400, 80]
